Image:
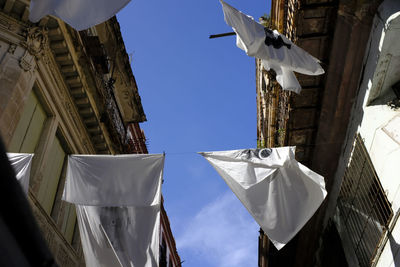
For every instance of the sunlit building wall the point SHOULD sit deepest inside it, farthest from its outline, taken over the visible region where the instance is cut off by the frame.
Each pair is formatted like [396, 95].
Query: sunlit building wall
[66, 92]
[344, 125]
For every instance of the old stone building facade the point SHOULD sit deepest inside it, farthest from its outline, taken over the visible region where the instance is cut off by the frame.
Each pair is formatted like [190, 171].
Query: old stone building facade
[343, 125]
[65, 92]
[169, 256]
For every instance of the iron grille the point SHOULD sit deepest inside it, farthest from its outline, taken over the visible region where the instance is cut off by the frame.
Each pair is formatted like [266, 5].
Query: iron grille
[363, 205]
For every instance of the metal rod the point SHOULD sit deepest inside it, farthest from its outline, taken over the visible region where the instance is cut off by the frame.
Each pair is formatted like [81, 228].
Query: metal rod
[221, 35]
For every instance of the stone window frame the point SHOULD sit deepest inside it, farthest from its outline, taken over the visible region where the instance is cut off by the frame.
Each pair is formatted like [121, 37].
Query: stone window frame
[52, 129]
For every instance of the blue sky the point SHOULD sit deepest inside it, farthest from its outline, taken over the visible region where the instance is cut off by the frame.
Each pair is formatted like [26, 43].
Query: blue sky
[198, 95]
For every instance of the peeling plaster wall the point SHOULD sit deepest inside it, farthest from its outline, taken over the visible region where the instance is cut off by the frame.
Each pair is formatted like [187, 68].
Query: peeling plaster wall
[378, 125]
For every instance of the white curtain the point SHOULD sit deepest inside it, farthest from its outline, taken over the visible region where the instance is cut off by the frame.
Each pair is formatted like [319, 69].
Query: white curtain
[118, 202]
[280, 193]
[21, 163]
[80, 14]
[251, 36]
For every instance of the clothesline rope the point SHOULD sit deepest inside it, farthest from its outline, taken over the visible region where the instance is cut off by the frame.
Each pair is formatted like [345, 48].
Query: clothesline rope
[299, 145]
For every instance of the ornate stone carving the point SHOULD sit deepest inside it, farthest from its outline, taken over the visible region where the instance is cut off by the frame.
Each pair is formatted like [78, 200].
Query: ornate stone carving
[12, 48]
[6, 24]
[68, 106]
[36, 41]
[26, 62]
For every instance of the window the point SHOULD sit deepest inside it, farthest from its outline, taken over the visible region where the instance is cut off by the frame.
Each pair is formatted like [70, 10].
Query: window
[63, 213]
[29, 128]
[364, 208]
[163, 253]
[66, 220]
[38, 131]
[51, 175]
[76, 239]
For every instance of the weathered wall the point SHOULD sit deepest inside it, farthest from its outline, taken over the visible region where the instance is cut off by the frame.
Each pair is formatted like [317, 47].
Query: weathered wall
[347, 49]
[16, 84]
[378, 125]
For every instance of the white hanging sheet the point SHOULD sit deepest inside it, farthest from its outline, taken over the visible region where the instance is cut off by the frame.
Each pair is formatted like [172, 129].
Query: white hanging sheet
[251, 37]
[280, 193]
[21, 163]
[285, 77]
[118, 202]
[119, 236]
[80, 14]
[122, 180]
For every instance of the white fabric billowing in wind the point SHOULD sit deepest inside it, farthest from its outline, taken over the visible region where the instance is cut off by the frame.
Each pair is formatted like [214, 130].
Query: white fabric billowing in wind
[21, 163]
[80, 14]
[118, 202]
[250, 37]
[119, 236]
[284, 77]
[280, 193]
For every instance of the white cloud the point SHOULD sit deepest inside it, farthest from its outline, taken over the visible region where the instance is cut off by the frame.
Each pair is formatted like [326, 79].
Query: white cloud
[222, 233]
